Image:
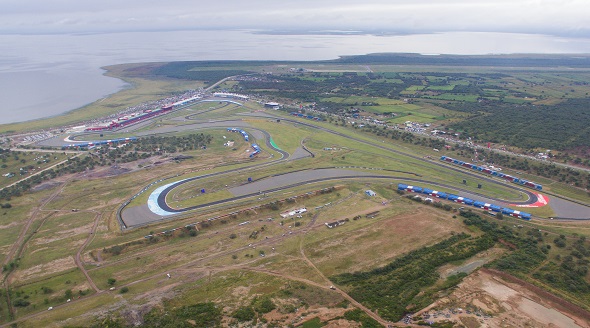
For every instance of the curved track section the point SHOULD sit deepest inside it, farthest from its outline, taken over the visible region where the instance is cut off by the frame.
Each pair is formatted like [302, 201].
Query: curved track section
[417, 158]
[327, 175]
[157, 200]
[158, 196]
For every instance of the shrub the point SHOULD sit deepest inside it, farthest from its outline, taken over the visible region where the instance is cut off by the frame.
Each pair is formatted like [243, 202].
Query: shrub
[19, 302]
[559, 242]
[115, 250]
[46, 290]
[263, 305]
[245, 313]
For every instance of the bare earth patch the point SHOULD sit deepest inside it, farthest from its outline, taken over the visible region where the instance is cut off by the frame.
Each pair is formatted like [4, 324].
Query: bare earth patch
[45, 269]
[10, 225]
[472, 263]
[111, 171]
[494, 302]
[64, 234]
[304, 314]
[45, 186]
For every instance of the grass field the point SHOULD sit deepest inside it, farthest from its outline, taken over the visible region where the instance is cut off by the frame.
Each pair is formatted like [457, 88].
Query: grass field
[367, 243]
[13, 219]
[57, 284]
[454, 97]
[54, 241]
[442, 87]
[379, 105]
[286, 136]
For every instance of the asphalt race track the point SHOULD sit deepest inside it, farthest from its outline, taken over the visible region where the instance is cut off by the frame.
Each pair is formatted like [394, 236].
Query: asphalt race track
[294, 179]
[139, 215]
[289, 180]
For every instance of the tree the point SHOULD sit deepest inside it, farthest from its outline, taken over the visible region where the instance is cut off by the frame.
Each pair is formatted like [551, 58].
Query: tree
[560, 242]
[263, 305]
[111, 281]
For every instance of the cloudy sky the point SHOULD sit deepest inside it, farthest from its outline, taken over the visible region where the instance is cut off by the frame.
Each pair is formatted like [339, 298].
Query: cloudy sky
[553, 17]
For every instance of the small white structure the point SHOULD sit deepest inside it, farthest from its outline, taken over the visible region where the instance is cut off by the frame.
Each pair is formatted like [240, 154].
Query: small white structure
[272, 105]
[370, 193]
[331, 225]
[294, 212]
[231, 95]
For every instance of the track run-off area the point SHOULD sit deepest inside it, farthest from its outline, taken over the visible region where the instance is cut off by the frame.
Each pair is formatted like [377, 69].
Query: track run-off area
[158, 207]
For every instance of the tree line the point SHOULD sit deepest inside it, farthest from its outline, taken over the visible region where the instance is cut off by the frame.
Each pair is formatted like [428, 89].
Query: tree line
[409, 282]
[106, 156]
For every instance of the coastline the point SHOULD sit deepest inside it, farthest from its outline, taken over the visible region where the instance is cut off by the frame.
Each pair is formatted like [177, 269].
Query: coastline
[71, 115]
[90, 110]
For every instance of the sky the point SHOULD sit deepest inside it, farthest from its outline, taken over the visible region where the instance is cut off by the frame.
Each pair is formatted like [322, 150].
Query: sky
[568, 18]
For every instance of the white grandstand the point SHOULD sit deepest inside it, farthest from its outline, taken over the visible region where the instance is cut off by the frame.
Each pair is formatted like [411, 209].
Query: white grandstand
[231, 95]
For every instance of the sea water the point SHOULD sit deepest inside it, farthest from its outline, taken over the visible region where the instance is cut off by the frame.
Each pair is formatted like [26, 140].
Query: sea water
[47, 75]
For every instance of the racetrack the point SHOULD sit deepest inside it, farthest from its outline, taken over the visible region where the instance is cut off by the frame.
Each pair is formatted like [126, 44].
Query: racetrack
[139, 215]
[294, 179]
[562, 208]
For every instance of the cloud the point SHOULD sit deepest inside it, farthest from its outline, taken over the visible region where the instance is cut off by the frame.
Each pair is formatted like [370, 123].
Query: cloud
[418, 16]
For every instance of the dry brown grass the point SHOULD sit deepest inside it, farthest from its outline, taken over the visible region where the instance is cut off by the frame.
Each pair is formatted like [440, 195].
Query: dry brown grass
[44, 269]
[368, 243]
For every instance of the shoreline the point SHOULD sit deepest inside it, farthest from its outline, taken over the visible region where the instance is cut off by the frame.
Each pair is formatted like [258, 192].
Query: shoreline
[22, 126]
